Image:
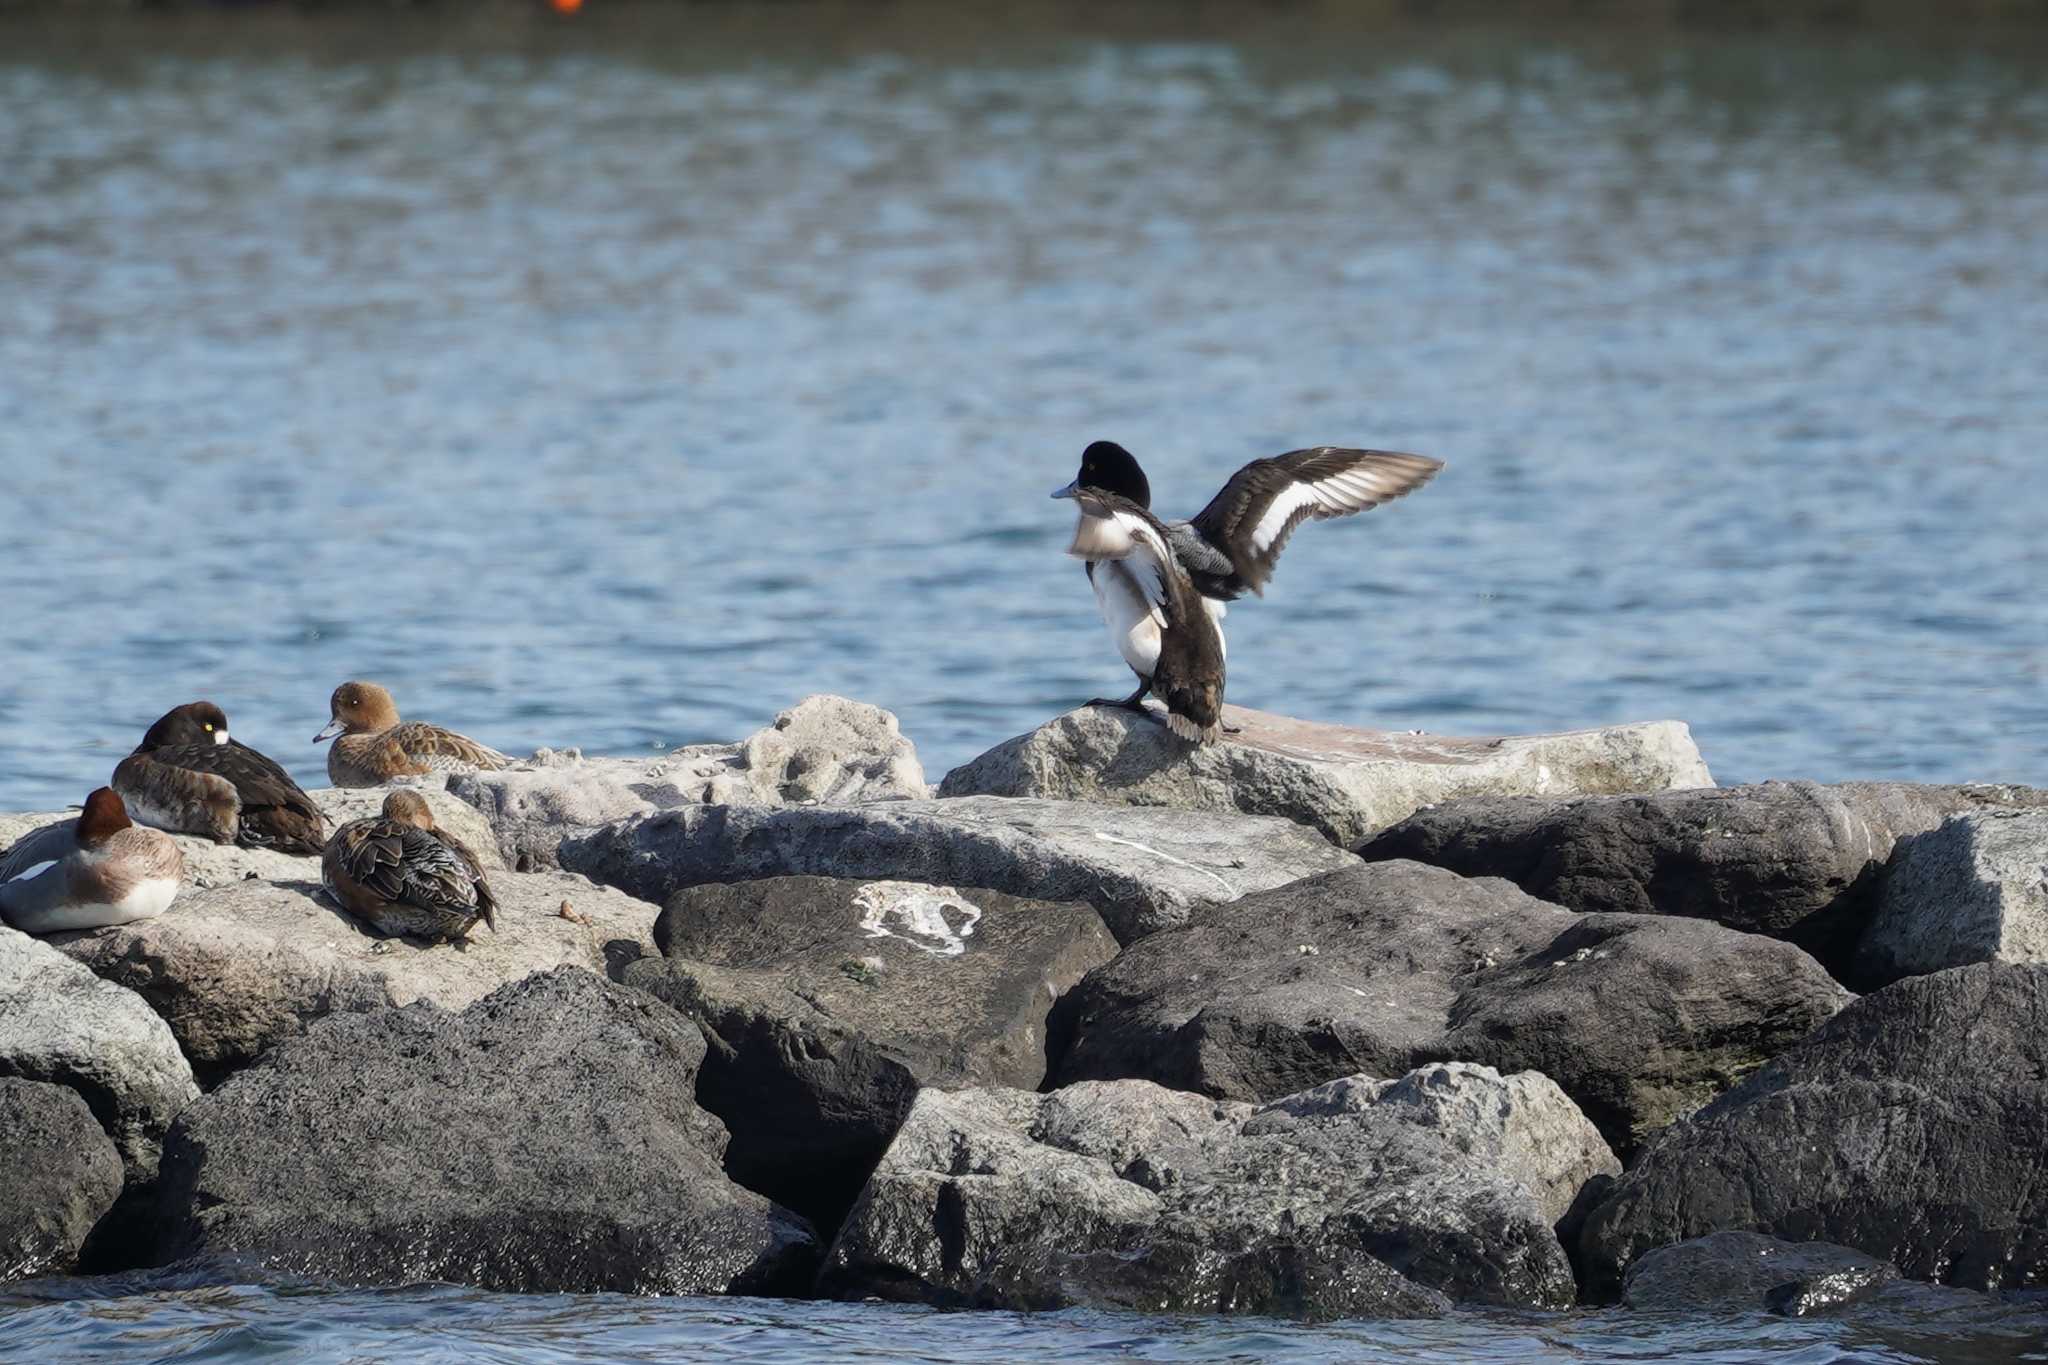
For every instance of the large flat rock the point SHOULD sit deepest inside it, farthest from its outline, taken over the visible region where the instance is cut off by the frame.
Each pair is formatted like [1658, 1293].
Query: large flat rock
[234, 969]
[1386, 966]
[63, 1174]
[208, 864]
[1974, 890]
[823, 749]
[60, 1023]
[1142, 869]
[1361, 1199]
[545, 1139]
[829, 1003]
[1910, 1127]
[1347, 783]
[1796, 860]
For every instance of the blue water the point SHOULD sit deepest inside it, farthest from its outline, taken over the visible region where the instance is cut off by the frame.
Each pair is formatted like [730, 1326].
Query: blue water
[619, 382]
[432, 1325]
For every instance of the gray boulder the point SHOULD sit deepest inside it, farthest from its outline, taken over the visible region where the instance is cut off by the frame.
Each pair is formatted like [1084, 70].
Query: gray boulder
[208, 864]
[63, 1174]
[234, 969]
[1359, 1199]
[542, 1140]
[1794, 860]
[829, 1003]
[1909, 1127]
[1728, 1272]
[1974, 890]
[1384, 967]
[1345, 782]
[60, 1023]
[1141, 869]
[823, 749]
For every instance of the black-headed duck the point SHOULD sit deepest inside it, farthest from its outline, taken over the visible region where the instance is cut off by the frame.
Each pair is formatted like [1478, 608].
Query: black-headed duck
[1162, 586]
[190, 776]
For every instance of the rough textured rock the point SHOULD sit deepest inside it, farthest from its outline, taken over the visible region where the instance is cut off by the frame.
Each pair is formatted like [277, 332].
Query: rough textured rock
[234, 969]
[829, 1003]
[60, 1023]
[1141, 869]
[1384, 967]
[1910, 1127]
[544, 1139]
[1795, 860]
[63, 1174]
[1342, 781]
[1126, 1193]
[823, 749]
[1733, 1271]
[1974, 890]
[208, 864]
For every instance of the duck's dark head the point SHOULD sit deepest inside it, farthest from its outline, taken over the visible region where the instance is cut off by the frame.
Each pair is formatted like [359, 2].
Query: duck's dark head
[1107, 466]
[196, 722]
[104, 817]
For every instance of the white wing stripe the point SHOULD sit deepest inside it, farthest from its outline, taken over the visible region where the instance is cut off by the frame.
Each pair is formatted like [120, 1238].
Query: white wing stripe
[1281, 510]
[1350, 491]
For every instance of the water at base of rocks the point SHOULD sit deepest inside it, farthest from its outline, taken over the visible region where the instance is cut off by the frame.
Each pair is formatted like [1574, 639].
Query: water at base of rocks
[423, 1325]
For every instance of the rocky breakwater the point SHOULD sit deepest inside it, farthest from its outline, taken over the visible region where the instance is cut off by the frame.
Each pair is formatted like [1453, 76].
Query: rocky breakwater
[810, 1029]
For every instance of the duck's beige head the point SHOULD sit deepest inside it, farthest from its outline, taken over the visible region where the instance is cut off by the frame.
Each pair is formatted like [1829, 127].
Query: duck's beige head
[409, 808]
[358, 708]
[104, 817]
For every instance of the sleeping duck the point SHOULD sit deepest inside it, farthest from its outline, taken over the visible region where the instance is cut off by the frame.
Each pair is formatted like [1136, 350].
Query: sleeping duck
[401, 875]
[1162, 586]
[98, 870]
[190, 776]
[375, 747]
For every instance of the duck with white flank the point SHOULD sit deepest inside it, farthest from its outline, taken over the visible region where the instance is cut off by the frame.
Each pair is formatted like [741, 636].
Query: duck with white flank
[1161, 585]
[375, 747]
[190, 776]
[401, 875]
[99, 870]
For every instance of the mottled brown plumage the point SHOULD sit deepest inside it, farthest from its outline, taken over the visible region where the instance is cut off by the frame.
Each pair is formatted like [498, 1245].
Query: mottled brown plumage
[401, 875]
[375, 747]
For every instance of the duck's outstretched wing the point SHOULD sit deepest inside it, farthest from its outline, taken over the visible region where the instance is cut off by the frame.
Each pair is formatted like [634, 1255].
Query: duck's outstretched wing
[1251, 519]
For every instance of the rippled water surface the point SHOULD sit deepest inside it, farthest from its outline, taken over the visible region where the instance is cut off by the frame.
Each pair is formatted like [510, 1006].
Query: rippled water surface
[619, 382]
[439, 1326]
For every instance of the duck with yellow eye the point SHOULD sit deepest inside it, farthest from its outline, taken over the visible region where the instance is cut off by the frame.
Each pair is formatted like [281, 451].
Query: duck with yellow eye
[190, 776]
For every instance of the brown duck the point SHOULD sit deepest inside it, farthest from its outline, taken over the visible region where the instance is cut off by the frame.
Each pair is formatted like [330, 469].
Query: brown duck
[375, 747]
[401, 875]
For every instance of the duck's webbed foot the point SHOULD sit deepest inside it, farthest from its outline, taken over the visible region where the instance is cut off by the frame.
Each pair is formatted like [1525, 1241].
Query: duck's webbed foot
[1231, 729]
[1134, 702]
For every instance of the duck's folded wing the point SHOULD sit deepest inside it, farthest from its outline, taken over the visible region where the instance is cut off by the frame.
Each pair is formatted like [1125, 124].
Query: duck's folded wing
[1251, 519]
[38, 849]
[439, 748]
[276, 812]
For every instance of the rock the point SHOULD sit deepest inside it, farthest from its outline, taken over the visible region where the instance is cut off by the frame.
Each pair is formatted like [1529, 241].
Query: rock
[208, 864]
[1974, 890]
[63, 1174]
[1736, 1271]
[60, 1023]
[1387, 966]
[1127, 1194]
[823, 749]
[829, 1003]
[234, 969]
[542, 1140]
[1345, 782]
[1794, 860]
[1141, 869]
[1909, 1128]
